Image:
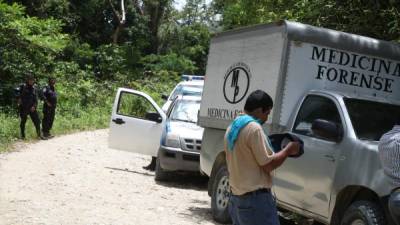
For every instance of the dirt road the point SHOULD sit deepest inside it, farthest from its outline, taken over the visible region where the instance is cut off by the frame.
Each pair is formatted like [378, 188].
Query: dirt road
[76, 179]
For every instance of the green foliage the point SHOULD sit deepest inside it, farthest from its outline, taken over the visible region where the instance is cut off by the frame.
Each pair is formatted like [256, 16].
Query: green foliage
[42, 33]
[133, 105]
[81, 53]
[170, 62]
[116, 62]
[156, 84]
[9, 130]
[27, 44]
[378, 19]
[10, 12]
[71, 41]
[188, 41]
[187, 34]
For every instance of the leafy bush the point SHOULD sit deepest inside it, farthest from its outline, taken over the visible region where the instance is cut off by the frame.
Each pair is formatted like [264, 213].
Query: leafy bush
[27, 44]
[170, 62]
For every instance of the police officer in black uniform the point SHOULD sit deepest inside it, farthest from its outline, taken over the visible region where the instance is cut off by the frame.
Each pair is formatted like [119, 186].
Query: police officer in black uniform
[27, 105]
[49, 107]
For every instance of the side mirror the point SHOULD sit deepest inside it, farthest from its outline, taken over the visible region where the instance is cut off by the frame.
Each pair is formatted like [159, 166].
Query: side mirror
[155, 117]
[327, 130]
[164, 97]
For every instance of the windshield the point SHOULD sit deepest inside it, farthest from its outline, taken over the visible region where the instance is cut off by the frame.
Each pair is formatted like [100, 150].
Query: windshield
[185, 110]
[371, 119]
[187, 90]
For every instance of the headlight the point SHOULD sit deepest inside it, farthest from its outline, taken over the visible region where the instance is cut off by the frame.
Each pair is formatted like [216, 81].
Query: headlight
[172, 140]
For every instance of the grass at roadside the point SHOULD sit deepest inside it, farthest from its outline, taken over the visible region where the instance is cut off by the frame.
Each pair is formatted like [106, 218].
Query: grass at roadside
[9, 130]
[65, 122]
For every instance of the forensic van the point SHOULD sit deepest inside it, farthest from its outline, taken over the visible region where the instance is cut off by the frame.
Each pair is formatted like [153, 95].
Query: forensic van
[338, 92]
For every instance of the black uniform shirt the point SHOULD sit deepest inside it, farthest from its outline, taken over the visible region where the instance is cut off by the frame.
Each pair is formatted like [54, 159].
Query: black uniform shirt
[50, 95]
[28, 96]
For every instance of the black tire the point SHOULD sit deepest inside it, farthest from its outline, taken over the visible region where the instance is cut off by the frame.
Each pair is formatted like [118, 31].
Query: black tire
[220, 195]
[364, 212]
[160, 174]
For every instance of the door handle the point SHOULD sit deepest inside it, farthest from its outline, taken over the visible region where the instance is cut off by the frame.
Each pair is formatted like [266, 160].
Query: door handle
[118, 121]
[330, 158]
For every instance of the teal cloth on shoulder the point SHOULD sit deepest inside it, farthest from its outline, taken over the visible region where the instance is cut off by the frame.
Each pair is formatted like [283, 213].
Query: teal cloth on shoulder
[237, 125]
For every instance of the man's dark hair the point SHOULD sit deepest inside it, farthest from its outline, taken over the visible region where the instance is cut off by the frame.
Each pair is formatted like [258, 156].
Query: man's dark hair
[50, 79]
[258, 99]
[398, 118]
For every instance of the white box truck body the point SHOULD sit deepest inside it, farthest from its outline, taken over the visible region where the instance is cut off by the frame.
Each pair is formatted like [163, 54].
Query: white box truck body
[349, 81]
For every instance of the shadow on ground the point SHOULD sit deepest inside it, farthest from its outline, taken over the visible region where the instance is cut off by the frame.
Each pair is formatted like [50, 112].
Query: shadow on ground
[200, 212]
[192, 181]
[130, 171]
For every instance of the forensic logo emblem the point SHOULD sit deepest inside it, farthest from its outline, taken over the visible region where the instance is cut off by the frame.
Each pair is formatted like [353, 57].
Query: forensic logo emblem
[236, 83]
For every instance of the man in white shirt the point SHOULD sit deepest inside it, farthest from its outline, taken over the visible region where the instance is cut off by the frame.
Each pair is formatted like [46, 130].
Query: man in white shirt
[389, 153]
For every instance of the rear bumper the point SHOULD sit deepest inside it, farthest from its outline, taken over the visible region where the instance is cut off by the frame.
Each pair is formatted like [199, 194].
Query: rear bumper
[175, 159]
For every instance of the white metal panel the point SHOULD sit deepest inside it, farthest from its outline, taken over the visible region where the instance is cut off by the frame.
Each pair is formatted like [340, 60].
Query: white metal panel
[135, 134]
[303, 73]
[259, 53]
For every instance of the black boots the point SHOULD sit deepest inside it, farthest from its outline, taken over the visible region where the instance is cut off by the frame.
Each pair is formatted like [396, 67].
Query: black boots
[152, 165]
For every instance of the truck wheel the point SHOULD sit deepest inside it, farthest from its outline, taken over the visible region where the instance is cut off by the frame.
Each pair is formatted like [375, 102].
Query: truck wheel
[160, 174]
[363, 213]
[220, 195]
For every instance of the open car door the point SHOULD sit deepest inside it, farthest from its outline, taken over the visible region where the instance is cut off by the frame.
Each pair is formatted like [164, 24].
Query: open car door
[136, 123]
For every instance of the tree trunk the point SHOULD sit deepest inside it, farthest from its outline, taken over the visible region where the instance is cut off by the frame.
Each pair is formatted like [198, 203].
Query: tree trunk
[155, 10]
[115, 35]
[120, 21]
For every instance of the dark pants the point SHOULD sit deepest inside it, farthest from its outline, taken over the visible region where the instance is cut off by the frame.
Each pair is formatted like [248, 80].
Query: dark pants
[35, 119]
[48, 119]
[257, 208]
[394, 206]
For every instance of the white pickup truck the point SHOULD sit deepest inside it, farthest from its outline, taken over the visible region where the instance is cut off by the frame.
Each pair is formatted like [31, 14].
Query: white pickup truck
[338, 92]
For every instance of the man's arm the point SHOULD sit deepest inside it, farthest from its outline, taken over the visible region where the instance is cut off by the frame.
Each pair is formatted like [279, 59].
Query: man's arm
[263, 153]
[45, 99]
[18, 94]
[35, 99]
[278, 158]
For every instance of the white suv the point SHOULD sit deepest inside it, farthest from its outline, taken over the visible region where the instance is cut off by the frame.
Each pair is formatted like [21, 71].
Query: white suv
[139, 125]
[192, 86]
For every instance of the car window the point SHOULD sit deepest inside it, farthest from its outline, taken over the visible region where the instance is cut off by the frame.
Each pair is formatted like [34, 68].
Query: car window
[133, 105]
[187, 90]
[185, 110]
[315, 107]
[177, 91]
[371, 119]
[192, 90]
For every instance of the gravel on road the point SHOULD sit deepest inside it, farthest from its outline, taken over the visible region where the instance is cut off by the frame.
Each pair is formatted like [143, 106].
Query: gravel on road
[77, 179]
